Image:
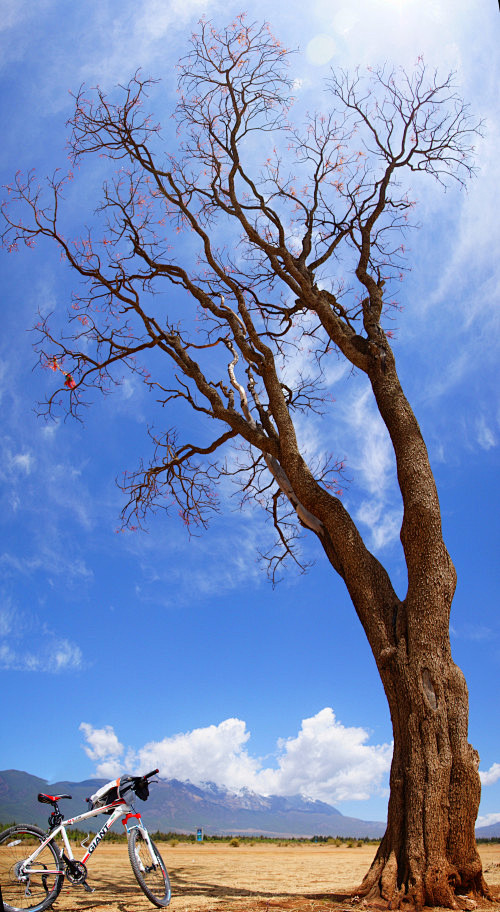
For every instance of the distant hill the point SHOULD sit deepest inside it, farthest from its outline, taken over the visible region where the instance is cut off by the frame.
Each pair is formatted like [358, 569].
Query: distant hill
[489, 832]
[182, 807]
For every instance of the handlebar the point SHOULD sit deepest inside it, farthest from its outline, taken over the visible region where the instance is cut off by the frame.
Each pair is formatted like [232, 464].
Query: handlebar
[139, 784]
[116, 789]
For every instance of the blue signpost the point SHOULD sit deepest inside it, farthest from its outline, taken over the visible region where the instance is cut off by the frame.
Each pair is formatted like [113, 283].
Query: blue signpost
[199, 835]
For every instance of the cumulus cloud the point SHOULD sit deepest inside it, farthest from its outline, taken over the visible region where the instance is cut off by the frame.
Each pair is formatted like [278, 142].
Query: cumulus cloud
[102, 743]
[489, 777]
[326, 761]
[216, 753]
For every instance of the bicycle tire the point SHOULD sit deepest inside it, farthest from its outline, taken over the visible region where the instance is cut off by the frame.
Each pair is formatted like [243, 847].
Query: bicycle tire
[29, 893]
[150, 873]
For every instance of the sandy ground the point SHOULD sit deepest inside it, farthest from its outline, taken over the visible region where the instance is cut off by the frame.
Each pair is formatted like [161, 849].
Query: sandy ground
[259, 878]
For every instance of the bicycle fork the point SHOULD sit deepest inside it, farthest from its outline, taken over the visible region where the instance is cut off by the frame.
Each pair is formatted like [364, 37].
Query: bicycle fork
[143, 831]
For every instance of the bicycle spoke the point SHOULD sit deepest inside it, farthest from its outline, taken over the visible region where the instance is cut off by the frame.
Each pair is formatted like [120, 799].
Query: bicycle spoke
[25, 886]
[149, 870]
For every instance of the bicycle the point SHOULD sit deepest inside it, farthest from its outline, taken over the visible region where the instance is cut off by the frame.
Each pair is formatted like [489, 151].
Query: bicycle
[32, 878]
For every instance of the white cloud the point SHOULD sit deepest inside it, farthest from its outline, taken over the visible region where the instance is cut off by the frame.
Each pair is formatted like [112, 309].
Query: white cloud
[396, 30]
[474, 632]
[22, 462]
[7, 619]
[374, 461]
[145, 35]
[52, 657]
[48, 431]
[156, 18]
[326, 761]
[14, 464]
[355, 433]
[485, 435]
[384, 523]
[370, 461]
[27, 644]
[489, 777]
[15, 12]
[488, 819]
[66, 655]
[102, 743]
[216, 753]
[469, 277]
[230, 566]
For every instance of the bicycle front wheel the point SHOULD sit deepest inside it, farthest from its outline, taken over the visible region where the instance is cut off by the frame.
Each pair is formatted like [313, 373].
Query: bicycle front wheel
[32, 887]
[150, 871]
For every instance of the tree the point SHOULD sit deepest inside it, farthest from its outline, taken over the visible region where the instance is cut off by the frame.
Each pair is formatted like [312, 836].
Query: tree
[273, 217]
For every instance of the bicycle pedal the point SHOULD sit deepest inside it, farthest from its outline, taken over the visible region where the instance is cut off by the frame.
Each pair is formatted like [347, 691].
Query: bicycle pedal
[87, 888]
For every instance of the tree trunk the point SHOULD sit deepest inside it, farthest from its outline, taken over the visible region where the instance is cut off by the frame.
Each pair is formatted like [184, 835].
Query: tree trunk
[428, 853]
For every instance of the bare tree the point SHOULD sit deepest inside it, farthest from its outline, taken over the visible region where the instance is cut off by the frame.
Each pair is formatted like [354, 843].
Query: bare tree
[290, 237]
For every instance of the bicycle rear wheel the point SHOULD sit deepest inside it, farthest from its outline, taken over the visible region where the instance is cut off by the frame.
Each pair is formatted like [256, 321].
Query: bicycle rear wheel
[150, 871]
[34, 887]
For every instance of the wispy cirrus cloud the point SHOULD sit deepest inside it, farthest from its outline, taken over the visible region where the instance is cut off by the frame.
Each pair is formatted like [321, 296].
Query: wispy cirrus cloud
[375, 497]
[474, 632]
[27, 643]
[486, 433]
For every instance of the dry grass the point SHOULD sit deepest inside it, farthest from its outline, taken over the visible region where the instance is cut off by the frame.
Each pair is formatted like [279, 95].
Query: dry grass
[260, 878]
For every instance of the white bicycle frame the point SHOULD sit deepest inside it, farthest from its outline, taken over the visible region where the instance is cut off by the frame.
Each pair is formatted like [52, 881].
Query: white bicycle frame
[117, 808]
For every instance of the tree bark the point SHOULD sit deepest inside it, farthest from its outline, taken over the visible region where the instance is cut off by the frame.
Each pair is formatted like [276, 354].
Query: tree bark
[428, 854]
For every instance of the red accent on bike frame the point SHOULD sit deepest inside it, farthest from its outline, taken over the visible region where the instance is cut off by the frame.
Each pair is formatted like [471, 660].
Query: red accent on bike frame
[127, 818]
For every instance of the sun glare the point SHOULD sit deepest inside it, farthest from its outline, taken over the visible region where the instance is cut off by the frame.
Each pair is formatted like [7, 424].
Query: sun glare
[320, 49]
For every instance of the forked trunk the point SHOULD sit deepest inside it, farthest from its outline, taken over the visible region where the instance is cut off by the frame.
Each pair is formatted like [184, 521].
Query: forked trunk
[428, 854]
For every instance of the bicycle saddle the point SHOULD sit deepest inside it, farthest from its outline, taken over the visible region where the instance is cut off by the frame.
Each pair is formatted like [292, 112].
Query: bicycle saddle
[51, 799]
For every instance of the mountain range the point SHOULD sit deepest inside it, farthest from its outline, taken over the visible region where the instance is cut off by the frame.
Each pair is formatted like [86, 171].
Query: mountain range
[182, 807]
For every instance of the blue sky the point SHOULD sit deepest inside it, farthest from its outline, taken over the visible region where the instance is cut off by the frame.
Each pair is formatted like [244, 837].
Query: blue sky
[127, 650]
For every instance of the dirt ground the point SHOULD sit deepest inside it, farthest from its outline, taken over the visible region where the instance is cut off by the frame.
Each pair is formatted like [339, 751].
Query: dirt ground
[259, 878]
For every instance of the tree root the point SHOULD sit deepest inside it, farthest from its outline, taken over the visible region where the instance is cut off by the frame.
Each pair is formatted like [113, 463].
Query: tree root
[437, 886]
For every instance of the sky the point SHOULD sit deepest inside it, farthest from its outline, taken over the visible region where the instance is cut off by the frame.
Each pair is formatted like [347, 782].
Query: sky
[124, 651]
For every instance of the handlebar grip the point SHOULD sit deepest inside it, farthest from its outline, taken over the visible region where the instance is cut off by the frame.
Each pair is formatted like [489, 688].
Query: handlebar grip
[152, 773]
